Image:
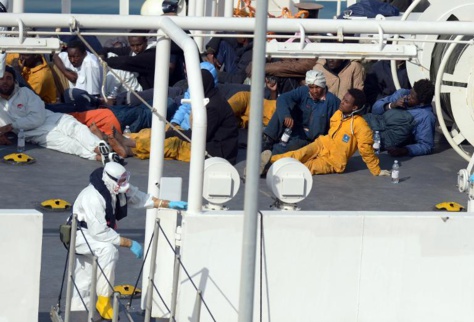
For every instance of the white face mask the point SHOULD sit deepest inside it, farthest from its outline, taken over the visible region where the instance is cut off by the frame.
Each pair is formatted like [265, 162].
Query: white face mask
[116, 178]
[123, 188]
[122, 184]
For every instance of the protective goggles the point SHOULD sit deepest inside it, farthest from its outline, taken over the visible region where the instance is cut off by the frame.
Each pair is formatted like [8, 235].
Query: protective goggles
[122, 180]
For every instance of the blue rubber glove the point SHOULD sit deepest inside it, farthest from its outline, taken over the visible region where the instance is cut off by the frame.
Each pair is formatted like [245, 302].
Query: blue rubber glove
[137, 249]
[180, 205]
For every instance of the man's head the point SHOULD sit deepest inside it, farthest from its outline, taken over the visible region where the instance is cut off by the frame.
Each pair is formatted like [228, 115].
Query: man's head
[138, 44]
[115, 178]
[352, 102]
[76, 52]
[334, 64]
[30, 60]
[316, 83]
[421, 93]
[7, 82]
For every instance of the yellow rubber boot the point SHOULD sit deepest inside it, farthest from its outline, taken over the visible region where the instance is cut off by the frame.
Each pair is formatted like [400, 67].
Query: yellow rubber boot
[104, 307]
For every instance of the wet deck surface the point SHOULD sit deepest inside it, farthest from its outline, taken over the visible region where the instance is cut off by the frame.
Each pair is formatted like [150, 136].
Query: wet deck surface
[425, 181]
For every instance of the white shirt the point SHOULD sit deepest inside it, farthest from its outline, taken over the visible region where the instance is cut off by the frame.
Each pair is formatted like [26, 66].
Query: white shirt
[25, 110]
[88, 74]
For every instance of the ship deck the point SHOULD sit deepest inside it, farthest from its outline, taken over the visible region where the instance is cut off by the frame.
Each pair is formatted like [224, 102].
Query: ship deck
[425, 181]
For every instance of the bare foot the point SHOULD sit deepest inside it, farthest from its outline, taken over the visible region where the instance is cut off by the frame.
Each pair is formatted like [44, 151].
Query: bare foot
[122, 139]
[97, 132]
[119, 148]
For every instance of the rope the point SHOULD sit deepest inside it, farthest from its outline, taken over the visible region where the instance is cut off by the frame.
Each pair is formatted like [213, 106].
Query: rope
[77, 290]
[162, 300]
[140, 273]
[188, 275]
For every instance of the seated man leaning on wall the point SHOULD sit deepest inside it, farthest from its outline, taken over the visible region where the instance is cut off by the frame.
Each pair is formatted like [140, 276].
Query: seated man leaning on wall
[341, 75]
[221, 137]
[39, 76]
[80, 67]
[21, 108]
[240, 103]
[330, 153]
[417, 102]
[305, 110]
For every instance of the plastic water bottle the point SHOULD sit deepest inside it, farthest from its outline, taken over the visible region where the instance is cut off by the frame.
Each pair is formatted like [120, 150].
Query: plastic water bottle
[285, 136]
[395, 172]
[377, 142]
[127, 132]
[21, 141]
[112, 95]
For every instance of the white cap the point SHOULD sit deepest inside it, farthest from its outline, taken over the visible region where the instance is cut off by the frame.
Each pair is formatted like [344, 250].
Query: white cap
[315, 77]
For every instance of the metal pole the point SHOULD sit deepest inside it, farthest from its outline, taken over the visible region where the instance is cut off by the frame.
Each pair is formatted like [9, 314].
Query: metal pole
[160, 95]
[393, 66]
[149, 291]
[70, 268]
[65, 6]
[228, 8]
[177, 259]
[198, 305]
[18, 6]
[116, 307]
[174, 25]
[124, 8]
[249, 239]
[338, 8]
[93, 289]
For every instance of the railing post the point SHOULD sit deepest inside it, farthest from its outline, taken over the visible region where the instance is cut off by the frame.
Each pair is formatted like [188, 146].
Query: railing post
[93, 289]
[70, 268]
[198, 305]
[116, 307]
[177, 259]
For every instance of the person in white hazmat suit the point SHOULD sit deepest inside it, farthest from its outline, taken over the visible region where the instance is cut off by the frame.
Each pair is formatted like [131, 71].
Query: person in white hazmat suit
[98, 207]
[21, 108]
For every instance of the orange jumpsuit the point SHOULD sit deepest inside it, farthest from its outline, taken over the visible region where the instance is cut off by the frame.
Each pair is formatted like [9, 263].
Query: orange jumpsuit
[330, 153]
[104, 118]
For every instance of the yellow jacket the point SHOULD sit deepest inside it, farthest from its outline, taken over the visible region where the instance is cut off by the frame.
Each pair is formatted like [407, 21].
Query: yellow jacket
[345, 136]
[240, 103]
[41, 80]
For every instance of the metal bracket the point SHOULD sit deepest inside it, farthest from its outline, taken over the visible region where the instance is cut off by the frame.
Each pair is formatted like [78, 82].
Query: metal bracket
[74, 26]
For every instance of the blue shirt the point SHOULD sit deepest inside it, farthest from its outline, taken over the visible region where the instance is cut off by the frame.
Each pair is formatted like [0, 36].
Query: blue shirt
[311, 117]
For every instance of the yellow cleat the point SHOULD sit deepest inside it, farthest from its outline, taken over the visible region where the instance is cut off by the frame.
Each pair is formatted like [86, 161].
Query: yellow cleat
[104, 307]
[18, 158]
[449, 206]
[127, 291]
[56, 204]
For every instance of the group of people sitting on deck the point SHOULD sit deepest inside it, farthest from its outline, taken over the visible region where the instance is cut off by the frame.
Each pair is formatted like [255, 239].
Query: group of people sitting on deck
[325, 103]
[59, 104]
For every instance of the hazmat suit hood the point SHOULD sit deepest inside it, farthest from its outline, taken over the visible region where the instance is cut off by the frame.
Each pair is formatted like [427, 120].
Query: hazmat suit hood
[115, 178]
